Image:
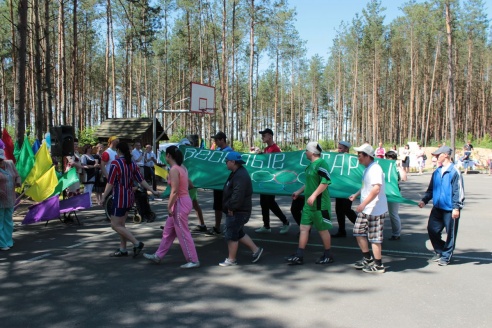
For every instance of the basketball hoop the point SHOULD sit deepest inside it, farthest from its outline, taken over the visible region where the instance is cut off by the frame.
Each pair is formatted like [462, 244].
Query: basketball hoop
[202, 99]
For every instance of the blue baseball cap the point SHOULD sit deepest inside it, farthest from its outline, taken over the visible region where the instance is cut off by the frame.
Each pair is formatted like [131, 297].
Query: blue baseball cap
[235, 156]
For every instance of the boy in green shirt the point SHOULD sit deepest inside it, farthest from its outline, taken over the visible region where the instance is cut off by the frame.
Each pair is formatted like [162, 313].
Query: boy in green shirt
[317, 208]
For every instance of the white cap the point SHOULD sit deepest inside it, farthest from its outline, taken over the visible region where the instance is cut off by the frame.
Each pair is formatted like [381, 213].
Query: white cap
[365, 148]
[314, 147]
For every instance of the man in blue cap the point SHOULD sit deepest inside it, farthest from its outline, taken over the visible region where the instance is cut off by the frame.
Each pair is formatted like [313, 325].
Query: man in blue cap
[447, 192]
[237, 205]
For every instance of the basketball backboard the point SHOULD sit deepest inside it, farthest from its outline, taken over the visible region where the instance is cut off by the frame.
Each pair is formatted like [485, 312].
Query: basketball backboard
[202, 98]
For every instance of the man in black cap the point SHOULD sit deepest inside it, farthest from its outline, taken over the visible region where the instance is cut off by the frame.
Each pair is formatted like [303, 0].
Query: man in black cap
[448, 195]
[343, 206]
[267, 202]
[221, 141]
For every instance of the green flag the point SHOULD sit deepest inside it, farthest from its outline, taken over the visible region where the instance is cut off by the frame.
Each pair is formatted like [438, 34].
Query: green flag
[25, 161]
[283, 173]
[67, 179]
[16, 151]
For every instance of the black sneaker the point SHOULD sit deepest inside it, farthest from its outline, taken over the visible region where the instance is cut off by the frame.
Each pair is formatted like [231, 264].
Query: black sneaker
[213, 232]
[294, 260]
[325, 260]
[359, 265]
[394, 238]
[339, 235]
[118, 253]
[200, 228]
[257, 255]
[374, 268]
[137, 249]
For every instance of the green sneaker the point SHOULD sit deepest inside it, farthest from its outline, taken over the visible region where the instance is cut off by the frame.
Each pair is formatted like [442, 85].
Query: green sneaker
[263, 230]
[285, 229]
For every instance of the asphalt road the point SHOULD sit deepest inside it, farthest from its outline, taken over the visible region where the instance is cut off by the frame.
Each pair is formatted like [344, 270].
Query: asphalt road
[61, 276]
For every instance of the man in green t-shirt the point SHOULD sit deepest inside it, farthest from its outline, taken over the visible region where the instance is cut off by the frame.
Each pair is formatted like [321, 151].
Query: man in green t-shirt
[317, 208]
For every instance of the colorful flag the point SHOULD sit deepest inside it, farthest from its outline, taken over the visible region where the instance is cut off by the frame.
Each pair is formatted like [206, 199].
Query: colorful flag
[36, 145]
[67, 179]
[160, 171]
[44, 186]
[42, 163]
[9, 145]
[25, 162]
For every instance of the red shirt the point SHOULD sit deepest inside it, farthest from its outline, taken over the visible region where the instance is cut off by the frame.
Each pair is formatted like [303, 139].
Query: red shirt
[272, 149]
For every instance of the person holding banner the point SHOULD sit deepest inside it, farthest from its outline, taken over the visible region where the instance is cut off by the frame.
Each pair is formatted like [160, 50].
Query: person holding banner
[237, 205]
[221, 144]
[179, 207]
[317, 208]
[267, 202]
[343, 206]
[372, 208]
[394, 207]
[9, 179]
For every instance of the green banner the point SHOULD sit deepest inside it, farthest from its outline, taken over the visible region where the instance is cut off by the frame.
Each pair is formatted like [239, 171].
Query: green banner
[283, 173]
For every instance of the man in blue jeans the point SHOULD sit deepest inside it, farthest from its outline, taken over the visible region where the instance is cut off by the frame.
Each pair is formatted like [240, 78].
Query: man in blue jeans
[448, 194]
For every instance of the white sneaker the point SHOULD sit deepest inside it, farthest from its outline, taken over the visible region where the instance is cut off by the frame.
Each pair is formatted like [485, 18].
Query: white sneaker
[191, 265]
[152, 257]
[228, 262]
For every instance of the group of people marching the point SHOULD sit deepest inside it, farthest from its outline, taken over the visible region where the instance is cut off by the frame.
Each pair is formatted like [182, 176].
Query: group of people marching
[311, 204]
[235, 200]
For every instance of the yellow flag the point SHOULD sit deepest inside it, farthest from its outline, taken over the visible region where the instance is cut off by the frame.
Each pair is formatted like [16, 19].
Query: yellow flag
[160, 172]
[43, 187]
[42, 163]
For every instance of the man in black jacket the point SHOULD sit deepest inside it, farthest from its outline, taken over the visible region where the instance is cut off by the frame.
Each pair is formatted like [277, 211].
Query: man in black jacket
[237, 205]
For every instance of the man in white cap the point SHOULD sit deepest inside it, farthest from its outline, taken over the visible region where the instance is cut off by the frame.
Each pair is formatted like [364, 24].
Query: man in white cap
[371, 211]
[317, 208]
[343, 206]
[448, 194]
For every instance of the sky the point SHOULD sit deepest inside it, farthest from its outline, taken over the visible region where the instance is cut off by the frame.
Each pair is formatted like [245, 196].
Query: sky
[317, 20]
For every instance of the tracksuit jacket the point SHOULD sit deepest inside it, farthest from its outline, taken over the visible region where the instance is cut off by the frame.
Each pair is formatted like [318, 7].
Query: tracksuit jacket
[446, 190]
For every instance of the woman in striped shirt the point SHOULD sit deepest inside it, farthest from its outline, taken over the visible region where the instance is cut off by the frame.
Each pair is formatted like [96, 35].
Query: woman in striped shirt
[122, 174]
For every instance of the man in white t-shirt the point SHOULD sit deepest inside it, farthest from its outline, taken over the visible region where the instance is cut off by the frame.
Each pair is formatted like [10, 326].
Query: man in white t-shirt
[149, 160]
[371, 211]
[138, 156]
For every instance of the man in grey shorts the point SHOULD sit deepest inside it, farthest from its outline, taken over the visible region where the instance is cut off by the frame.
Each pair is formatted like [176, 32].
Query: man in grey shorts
[371, 211]
[237, 205]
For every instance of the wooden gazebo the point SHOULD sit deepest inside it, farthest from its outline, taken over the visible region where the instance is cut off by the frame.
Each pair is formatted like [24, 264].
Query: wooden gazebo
[128, 130]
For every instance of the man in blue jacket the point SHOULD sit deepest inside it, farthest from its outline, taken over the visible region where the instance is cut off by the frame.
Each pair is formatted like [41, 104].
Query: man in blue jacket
[448, 194]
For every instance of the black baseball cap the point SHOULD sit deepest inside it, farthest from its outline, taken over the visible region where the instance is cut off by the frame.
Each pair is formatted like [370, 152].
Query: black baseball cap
[219, 135]
[267, 130]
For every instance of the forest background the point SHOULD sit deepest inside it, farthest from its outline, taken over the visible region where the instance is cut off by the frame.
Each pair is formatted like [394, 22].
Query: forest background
[86, 61]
